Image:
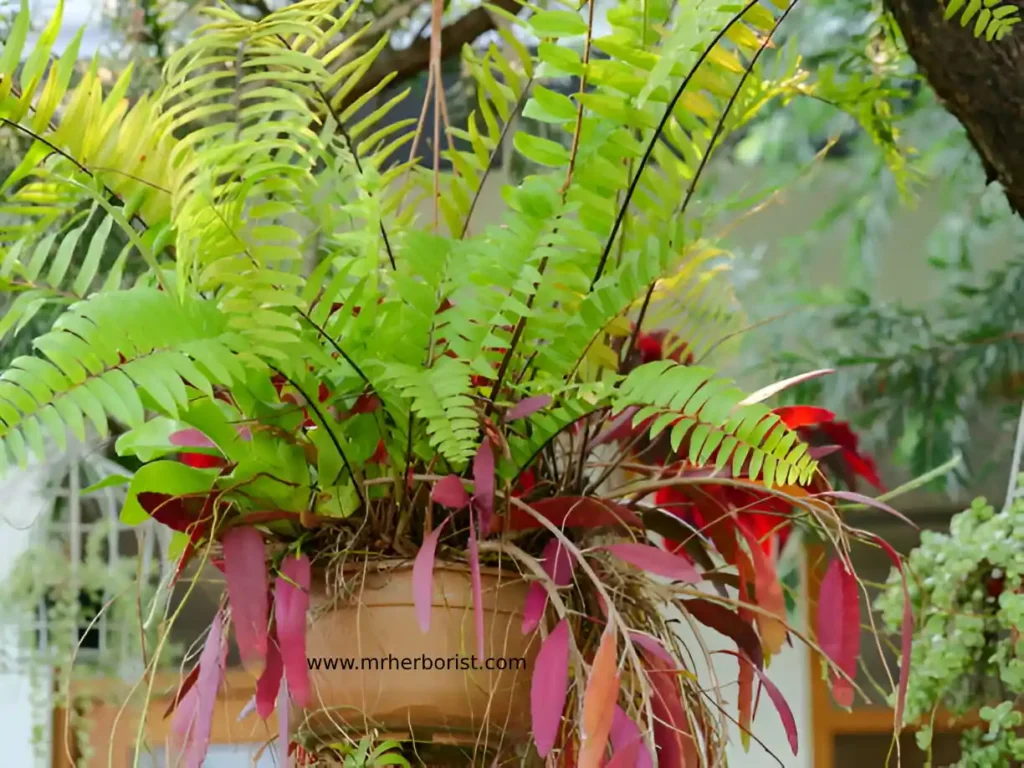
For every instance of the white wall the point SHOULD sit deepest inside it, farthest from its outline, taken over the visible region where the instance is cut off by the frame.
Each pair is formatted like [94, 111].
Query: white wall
[788, 671]
[23, 504]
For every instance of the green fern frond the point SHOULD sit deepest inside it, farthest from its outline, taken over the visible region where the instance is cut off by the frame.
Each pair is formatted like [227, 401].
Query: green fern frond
[441, 397]
[114, 355]
[706, 410]
[992, 19]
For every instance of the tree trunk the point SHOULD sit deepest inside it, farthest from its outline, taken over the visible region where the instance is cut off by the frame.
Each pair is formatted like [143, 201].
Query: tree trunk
[980, 82]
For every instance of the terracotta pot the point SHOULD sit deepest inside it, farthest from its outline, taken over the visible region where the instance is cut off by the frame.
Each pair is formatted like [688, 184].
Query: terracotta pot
[395, 682]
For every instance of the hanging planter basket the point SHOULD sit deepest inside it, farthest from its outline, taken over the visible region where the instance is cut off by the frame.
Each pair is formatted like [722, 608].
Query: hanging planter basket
[390, 676]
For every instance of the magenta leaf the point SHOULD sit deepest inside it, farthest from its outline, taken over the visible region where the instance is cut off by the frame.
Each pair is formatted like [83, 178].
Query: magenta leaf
[423, 577]
[284, 735]
[527, 407]
[478, 593]
[550, 687]
[269, 683]
[860, 498]
[483, 481]
[557, 564]
[450, 492]
[839, 627]
[906, 630]
[627, 743]
[245, 568]
[291, 603]
[656, 561]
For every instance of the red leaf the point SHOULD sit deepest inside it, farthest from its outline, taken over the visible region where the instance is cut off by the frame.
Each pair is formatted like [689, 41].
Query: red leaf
[672, 737]
[450, 492]
[728, 623]
[245, 569]
[839, 627]
[568, 512]
[177, 513]
[599, 702]
[423, 576]
[778, 700]
[557, 564]
[796, 416]
[269, 684]
[478, 593]
[656, 561]
[527, 407]
[201, 460]
[768, 593]
[745, 698]
[906, 630]
[291, 603]
[550, 687]
[483, 483]
[184, 688]
[380, 454]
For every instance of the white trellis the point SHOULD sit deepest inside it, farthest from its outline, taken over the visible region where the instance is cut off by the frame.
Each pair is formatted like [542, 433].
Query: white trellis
[67, 474]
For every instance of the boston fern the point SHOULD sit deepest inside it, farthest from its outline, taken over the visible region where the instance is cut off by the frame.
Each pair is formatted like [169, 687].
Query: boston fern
[314, 355]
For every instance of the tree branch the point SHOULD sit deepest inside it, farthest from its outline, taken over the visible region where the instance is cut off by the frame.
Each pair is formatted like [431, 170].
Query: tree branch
[979, 83]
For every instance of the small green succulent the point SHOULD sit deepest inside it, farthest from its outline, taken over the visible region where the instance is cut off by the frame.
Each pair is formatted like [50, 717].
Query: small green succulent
[967, 591]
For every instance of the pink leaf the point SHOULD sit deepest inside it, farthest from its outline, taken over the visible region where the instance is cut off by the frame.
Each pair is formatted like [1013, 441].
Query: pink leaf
[550, 687]
[449, 492]
[781, 705]
[245, 568]
[627, 743]
[483, 481]
[269, 683]
[557, 564]
[567, 512]
[653, 647]
[628, 756]
[656, 561]
[839, 627]
[478, 593]
[194, 718]
[860, 498]
[533, 607]
[618, 427]
[291, 603]
[191, 438]
[284, 736]
[906, 631]
[527, 407]
[773, 389]
[423, 577]
[819, 452]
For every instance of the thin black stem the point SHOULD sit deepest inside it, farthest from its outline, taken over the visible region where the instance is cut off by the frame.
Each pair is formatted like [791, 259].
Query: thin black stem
[657, 132]
[636, 328]
[335, 344]
[311, 403]
[728, 107]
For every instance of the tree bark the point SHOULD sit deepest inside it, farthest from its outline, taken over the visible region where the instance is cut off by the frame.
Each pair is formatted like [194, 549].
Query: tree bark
[411, 61]
[980, 82]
